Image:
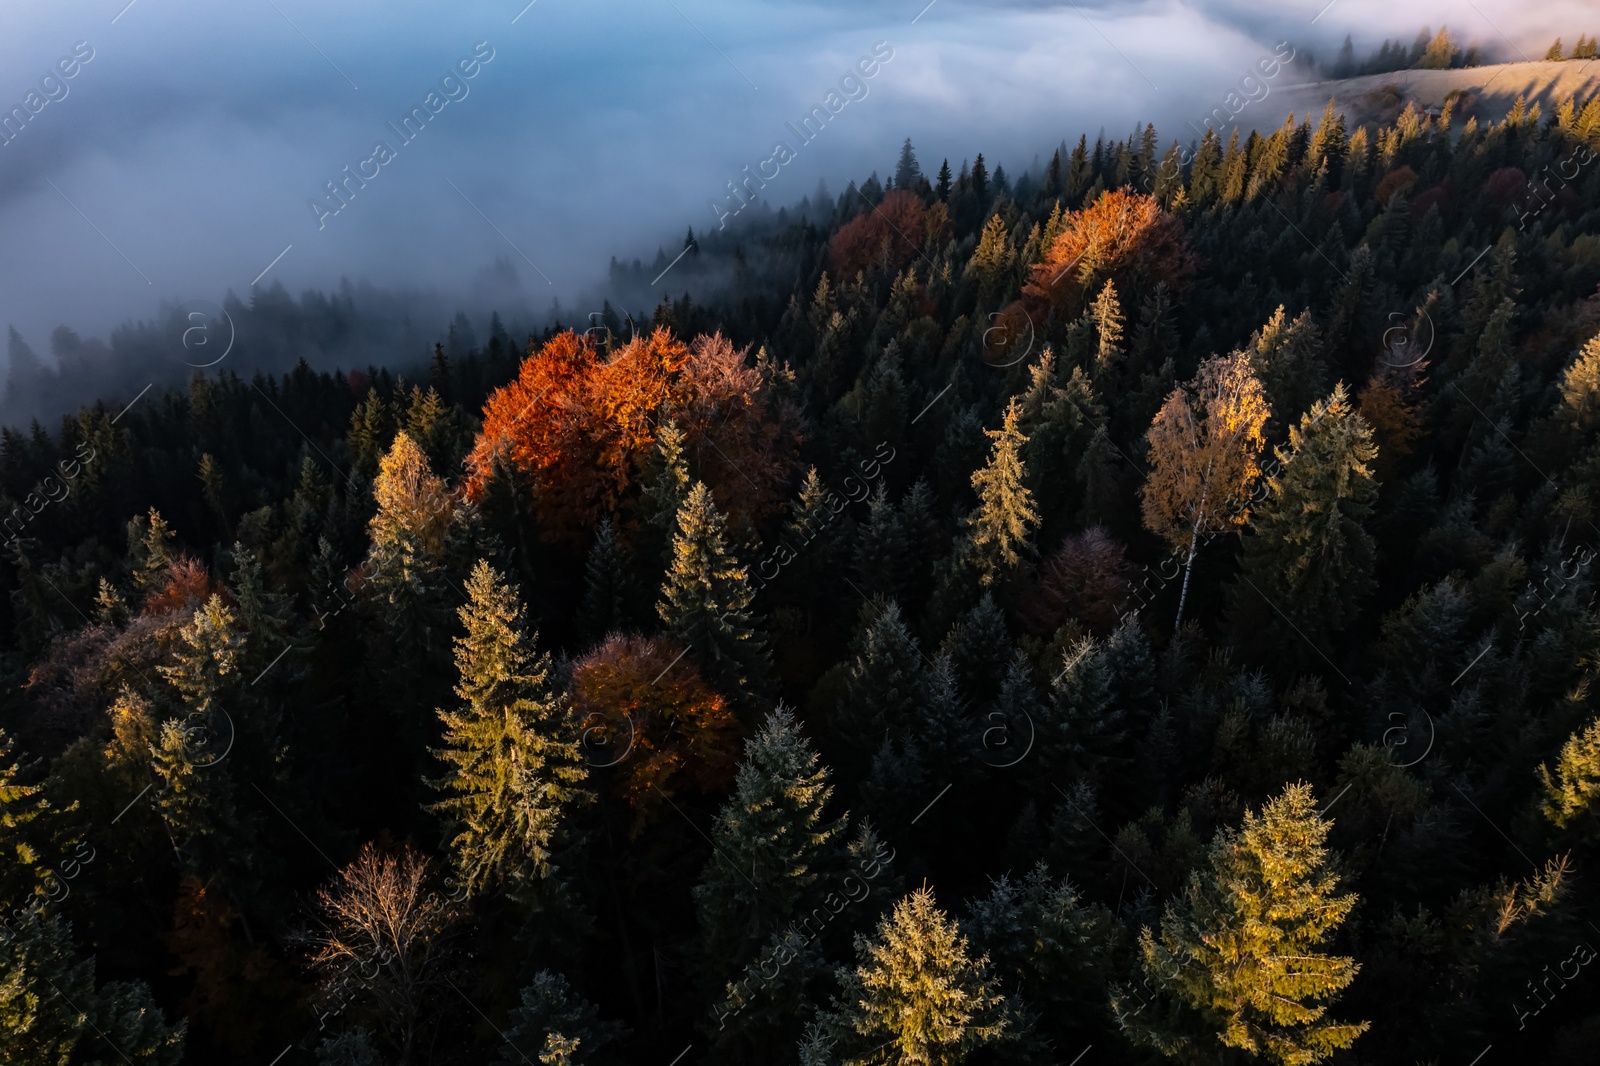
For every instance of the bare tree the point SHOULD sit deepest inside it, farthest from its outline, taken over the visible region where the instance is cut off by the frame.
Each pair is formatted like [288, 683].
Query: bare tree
[380, 943]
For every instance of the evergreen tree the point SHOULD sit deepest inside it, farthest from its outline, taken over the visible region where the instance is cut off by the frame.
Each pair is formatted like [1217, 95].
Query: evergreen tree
[1310, 555]
[772, 844]
[906, 171]
[1106, 313]
[882, 685]
[1236, 961]
[517, 770]
[917, 995]
[558, 1026]
[1000, 531]
[706, 599]
[1572, 793]
[606, 592]
[991, 263]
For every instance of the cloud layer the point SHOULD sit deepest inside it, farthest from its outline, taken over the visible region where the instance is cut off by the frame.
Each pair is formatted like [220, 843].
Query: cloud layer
[185, 157]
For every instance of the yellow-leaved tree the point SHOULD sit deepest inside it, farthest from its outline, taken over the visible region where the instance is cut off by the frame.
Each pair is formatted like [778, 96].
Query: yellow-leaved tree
[1204, 446]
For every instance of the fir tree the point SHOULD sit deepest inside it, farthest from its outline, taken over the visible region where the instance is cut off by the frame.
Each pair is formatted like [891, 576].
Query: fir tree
[517, 769]
[882, 685]
[1572, 793]
[706, 599]
[1000, 531]
[606, 591]
[917, 995]
[1310, 555]
[906, 171]
[1236, 961]
[1106, 313]
[772, 844]
[557, 1026]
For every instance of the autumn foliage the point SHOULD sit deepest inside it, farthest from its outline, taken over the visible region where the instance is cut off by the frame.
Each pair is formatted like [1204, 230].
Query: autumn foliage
[577, 426]
[645, 709]
[1086, 578]
[900, 221]
[1123, 236]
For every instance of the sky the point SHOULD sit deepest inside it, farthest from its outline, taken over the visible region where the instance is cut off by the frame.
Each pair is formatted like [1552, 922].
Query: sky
[180, 160]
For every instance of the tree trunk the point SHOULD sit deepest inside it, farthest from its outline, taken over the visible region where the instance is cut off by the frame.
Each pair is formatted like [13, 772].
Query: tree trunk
[1188, 564]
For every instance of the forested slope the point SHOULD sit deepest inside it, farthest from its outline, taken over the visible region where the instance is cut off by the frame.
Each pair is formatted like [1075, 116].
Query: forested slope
[1146, 604]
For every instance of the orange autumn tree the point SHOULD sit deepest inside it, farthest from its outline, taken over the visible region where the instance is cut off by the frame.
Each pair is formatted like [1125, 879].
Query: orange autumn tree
[899, 221]
[578, 427]
[645, 710]
[1123, 236]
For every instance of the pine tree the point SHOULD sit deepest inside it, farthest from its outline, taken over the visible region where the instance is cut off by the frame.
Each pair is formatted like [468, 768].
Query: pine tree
[1580, 388]
[917, 992]
[1204, 446]
[1000, 530]
[1310, 555]
[941, 188]
[1554, 54]
[882, 551]
[772, 844]
[21, 841]
[1236, 958]
[705, 602]
[517, 767]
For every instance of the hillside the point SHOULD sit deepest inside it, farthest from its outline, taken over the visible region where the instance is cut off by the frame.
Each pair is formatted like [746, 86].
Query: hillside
[1375, 99]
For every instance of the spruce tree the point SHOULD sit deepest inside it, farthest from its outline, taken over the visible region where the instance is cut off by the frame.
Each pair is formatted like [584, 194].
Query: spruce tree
[772, 844]
[558, 1027]
[607, 591]
[517, 768]
[917, 994]
[1236, 961]
[705, 602]
[1310, 555]
[906, 171]
[1572, 794]
[1000, 531]
[882, 686]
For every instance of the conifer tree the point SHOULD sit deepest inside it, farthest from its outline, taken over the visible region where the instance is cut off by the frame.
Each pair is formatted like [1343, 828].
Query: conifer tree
[150, 546]
[606, 591]
[906, 171]
[1310, 555]
[1572, 793]
[1204, 446]
[408, 533]
[917, 995]
[881, 687]
[1106, 312]
[558, 1027]
[1000, 531]
[517, 770]
[991, 261]
[881, 548]
[772, 844]
[371, 427]
[1236, 961]
[705, 602]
